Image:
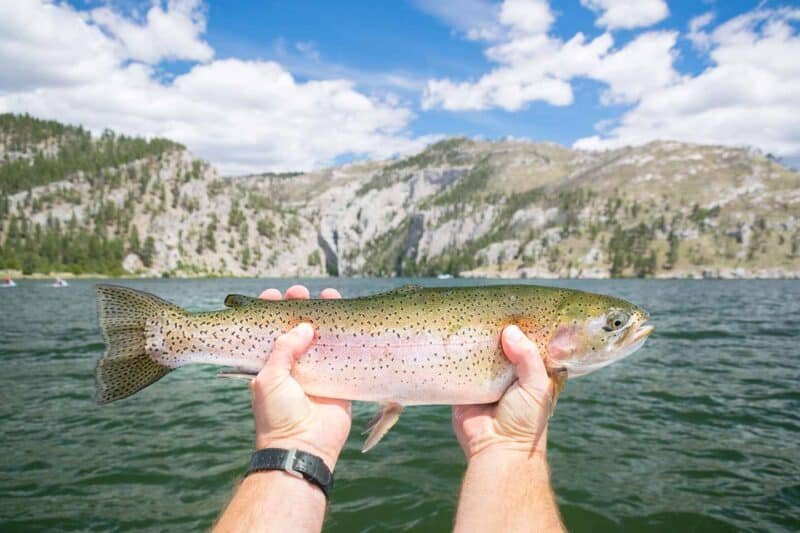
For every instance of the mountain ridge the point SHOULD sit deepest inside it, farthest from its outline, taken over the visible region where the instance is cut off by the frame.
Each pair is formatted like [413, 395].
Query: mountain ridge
[460, 207]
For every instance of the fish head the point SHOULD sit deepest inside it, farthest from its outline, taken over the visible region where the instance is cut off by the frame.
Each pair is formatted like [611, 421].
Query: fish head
[593, 331]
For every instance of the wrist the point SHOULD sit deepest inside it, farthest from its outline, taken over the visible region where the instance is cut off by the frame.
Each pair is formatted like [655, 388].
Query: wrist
[328, 455]
[511, 457]
[492, 444]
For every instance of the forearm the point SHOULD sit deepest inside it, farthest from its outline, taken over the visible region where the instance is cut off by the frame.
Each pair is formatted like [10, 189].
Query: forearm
[506, 490]
[274, 501]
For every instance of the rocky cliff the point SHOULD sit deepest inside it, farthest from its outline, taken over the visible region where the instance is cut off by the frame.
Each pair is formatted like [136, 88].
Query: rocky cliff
[461, 207]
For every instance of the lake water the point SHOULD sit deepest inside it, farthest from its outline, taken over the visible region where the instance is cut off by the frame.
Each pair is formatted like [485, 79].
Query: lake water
[699, 431]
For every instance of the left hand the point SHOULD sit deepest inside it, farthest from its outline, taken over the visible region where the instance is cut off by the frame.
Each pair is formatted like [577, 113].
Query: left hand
[285, 416]
[518, 422]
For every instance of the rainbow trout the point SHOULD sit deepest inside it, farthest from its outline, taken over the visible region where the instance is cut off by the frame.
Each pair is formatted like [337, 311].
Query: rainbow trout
[408, 346]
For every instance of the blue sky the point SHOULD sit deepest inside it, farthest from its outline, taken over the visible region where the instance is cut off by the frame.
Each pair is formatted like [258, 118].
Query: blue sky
[259, 85]
[401, 38]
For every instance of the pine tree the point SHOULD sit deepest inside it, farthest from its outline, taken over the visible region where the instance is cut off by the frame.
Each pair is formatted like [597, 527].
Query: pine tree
[134, 245]
[148, 251]
[672, 253]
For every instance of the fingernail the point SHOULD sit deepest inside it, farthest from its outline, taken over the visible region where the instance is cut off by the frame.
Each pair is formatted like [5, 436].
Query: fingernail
[514, 334]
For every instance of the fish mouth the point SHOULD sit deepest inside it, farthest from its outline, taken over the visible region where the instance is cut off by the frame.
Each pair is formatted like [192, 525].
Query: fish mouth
[634, 334]
[642, 332]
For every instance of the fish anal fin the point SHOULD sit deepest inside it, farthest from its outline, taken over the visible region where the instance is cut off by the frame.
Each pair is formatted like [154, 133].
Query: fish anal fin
[240, 300]
[381, 423]
[237, 373]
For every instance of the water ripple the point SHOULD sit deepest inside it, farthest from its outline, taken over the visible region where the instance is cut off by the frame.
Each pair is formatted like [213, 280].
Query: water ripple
[697, 432]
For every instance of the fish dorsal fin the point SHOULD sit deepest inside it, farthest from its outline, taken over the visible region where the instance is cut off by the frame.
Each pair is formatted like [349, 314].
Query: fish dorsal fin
[240, 300]
[381, 423]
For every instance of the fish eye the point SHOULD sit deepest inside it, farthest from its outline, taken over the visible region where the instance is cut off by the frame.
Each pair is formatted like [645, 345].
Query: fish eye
[615, 320]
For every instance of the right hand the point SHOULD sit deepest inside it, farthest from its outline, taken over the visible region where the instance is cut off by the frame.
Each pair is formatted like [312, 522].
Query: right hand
[285, 416]
[518, 422]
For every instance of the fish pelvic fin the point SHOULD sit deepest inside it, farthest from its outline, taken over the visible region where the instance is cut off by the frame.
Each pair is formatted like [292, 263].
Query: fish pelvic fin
[381, 423]
[126, 368]
[558, 379]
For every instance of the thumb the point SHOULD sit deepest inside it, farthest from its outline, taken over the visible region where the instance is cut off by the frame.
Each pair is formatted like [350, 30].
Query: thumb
[288, 348]
[524, 355]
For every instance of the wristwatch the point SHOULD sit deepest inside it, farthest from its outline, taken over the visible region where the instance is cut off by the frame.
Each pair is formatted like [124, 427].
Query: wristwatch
[310, 467]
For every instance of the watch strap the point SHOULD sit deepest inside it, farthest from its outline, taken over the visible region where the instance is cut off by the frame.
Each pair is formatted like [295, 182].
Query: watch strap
[312, 468]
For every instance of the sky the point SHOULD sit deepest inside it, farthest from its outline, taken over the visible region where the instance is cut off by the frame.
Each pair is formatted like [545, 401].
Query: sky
[259, 85]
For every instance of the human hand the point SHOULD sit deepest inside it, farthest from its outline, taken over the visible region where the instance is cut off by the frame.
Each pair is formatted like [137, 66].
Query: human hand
[518, 422]
[285, 417]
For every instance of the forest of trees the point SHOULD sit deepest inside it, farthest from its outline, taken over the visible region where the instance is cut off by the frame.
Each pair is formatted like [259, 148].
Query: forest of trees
[55, 248]
[28, 143]
[38, 152]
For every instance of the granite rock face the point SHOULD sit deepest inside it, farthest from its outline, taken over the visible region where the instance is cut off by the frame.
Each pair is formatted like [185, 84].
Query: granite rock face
[474, 208]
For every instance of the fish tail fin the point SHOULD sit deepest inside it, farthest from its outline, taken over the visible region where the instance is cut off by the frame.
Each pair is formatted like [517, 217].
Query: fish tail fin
[126, 368]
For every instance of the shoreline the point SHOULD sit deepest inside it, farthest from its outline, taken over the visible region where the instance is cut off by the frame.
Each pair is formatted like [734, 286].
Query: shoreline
[16, 275]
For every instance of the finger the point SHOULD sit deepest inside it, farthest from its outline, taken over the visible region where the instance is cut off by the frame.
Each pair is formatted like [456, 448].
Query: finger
[297, 292]
[271, 294]
[524, 354]
[330, 294]
[288, 348]
[344, 404]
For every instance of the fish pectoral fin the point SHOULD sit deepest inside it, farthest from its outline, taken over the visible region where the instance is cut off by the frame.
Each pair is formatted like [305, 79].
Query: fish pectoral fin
[237, 373]
[558, 379]
[381, 423]
[240, 300]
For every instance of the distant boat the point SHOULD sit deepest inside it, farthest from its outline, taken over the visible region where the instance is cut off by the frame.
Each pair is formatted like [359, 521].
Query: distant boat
[444, 276]
[60, 283]
[8, 282]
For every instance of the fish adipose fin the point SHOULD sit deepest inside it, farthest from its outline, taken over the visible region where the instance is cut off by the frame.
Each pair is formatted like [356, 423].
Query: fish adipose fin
[381, 423]
[126, 368]
[404, 289]
[240, 300]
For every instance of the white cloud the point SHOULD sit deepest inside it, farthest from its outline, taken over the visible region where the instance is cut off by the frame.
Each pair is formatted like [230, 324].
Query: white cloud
[749, 96]
[476, 19]
[308, 49]
[305, 60]
[173, 33]
[696, 35]
[642, 66]
[44, 45]
[245, 116]
[627, 14]
[526, 17]
[535, 66]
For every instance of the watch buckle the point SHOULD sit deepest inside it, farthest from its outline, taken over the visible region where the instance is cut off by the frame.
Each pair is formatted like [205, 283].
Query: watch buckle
[288, 461]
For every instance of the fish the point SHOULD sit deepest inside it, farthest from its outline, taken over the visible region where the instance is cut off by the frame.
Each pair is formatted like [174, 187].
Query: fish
[408, 346]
